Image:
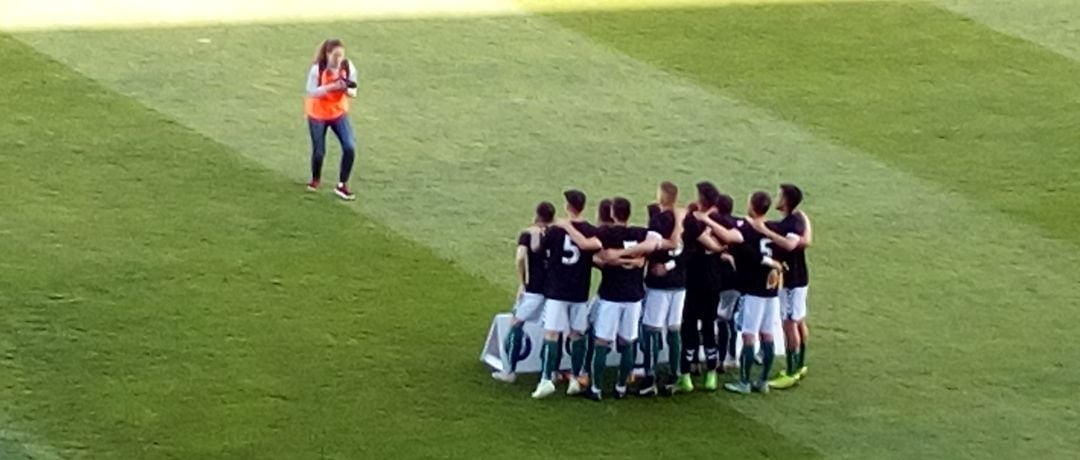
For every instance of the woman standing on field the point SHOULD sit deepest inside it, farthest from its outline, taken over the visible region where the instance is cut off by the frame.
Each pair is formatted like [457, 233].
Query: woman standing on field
[330, 83]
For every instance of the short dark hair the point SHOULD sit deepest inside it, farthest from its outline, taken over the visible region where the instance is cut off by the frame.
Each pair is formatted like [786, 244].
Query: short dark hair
[792, 195]
[576, 199]
[603, 212]
[760, 203]
[545, 212]
[620, 209]
[724, 204]
[708, 193]
[653, 209]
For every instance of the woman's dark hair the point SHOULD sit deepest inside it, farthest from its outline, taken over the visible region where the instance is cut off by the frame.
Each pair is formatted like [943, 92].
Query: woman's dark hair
[321, 54]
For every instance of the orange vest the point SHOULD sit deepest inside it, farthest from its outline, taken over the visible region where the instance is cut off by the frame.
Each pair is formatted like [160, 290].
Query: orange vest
[331, 105]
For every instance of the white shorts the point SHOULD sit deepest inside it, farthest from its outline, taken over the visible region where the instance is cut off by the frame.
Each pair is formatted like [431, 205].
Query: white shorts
[529, 307]
[617, 320]
[760, 315]
[663, 307]
[557, 315]
[729, 299]
[793, 303]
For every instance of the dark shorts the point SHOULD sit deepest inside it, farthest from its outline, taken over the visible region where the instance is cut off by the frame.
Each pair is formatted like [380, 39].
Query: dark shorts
[700, 304]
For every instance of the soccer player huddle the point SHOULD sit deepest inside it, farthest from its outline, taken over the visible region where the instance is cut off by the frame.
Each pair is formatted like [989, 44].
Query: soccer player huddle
[683, 281]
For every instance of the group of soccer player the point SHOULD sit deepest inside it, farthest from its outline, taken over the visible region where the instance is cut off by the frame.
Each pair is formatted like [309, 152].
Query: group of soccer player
[682, 281]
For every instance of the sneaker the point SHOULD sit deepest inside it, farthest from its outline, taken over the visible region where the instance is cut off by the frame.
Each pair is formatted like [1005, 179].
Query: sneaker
[802, 372]
[313, 186]
[343, 192]
[620, 392]
[685, 384]
[574, 388]
[544, 389]
[647, 387]
[593, 395]
[738, 387]
[507, 377]
[711, 381]
[783, 381]
[761, 387]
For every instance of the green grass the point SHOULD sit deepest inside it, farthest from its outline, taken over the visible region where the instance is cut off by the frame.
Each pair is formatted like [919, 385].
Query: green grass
[197, 306]
[206, 308]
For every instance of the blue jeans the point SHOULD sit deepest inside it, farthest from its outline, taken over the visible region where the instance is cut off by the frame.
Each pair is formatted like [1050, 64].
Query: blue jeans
[343, 130]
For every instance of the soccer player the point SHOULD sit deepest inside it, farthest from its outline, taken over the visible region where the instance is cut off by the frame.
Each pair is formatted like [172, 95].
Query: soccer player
[701, 245]
[727, 280]
[579, 365]
[530, 260]
[791, 238]
[570, 244]
[621, 291]
[665, 289]
[761, 306]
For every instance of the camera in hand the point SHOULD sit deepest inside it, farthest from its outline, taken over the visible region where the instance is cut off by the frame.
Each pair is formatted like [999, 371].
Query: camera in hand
[349, 83]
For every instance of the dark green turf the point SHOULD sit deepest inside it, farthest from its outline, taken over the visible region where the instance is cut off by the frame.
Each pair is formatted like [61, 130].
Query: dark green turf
[164, 299]
[976, 112]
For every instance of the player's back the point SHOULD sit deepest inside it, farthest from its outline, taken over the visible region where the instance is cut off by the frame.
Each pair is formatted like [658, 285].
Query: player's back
[569, 268]
[753, 274]
[536, 262]
[663, 223]
[622, 283]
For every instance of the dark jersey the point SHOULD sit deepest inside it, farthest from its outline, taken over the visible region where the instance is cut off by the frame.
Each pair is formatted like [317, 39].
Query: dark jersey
[727, 277]
[536, 267]
[702, 270]
[569, 268]
[675, 278]
[797, 274]
[618, 283]
[754, 276]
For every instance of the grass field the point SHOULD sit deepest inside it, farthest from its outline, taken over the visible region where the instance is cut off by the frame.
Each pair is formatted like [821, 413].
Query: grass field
[168, 290]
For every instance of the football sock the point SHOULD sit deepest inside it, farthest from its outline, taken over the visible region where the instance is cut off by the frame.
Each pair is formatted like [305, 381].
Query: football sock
[598, 364]
[802, 353]
[746, 361]
[792, 361]
[690, 341]
[626, 363]
[674, 342]
[712, 352]
[769, 352]
[551, 353]
[513, 345]
[590, 349]
[654, 352]
[559, 351]
[577, 355]
[722, 336]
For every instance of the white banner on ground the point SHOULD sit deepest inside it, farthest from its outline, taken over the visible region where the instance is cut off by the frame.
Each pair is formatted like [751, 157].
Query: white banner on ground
[494, 354]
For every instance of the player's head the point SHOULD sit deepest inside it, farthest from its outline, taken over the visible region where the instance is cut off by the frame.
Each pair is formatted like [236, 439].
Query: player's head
[603, 212]
[707, 195]
[653, 209]
[330, 53]
[759, 204]
[545, 213]
[667, 194]
[575, 201]
[663, 223]
[724, 204]
[620, 209]
[788, 198]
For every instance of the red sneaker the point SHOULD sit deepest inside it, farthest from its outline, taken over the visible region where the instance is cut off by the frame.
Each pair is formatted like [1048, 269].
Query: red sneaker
[344, 193]
[313, 185]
